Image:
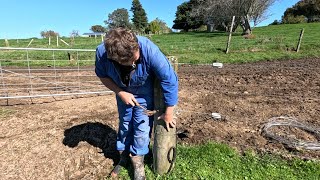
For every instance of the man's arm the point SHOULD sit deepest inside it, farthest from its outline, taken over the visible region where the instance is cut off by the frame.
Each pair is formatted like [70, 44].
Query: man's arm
[169, 84]
[126, 97]
[108, 82]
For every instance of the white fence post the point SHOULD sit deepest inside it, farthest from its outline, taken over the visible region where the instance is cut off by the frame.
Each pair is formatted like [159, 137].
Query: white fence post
[230, 34]
[64, 42]
[30, 42]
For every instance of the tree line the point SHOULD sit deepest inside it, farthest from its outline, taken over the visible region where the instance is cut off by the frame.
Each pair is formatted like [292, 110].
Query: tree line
[120, 18]
[301, 12]
[211, 14]
[217, 14]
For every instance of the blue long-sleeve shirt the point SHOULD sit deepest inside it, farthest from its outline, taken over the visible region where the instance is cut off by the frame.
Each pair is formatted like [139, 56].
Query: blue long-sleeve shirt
[153, 64]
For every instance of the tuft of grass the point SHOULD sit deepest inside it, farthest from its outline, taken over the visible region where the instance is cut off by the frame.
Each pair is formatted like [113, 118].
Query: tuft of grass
[5, 112]
[218, 161]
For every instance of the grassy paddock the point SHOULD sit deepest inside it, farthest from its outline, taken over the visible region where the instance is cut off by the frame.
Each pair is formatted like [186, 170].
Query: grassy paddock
[218, 161]
[267, 43]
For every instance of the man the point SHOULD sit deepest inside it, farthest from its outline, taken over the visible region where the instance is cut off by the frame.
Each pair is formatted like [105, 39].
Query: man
[128, 65]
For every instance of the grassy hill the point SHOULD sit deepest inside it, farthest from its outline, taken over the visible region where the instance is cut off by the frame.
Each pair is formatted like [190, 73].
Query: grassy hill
[271, 42]
[267, 43]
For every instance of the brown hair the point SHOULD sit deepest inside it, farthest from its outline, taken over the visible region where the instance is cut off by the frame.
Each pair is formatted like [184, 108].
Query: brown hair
[121, 44]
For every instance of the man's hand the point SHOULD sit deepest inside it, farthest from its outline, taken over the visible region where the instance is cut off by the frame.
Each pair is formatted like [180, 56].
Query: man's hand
[168, 118]
[127, 98]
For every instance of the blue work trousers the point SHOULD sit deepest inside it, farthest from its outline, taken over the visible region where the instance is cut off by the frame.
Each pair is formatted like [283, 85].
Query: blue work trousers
[134, 126]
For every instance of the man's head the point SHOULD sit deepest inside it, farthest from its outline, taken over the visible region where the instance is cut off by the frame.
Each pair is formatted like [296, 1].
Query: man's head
[122, 46]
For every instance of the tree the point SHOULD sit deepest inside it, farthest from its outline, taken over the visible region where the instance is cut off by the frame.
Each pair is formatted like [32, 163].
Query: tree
[184, 20]
[259, 10]
[158, 26]
[220, 12]
[154, 27]
[50, 33]
[98, 28]
[74, 33]
[140, 20]
[118, 18]
[310, 9]
[163, 26]
[291, 19]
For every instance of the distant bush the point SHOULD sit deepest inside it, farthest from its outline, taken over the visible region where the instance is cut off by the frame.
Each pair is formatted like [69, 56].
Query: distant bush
[50, 33]
[310, 9]
[314, 19]
[202, 28]
[291, 19]
[275, 22]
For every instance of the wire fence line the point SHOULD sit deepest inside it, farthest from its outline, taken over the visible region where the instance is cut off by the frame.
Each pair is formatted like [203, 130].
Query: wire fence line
[43, 72]
[60, 75]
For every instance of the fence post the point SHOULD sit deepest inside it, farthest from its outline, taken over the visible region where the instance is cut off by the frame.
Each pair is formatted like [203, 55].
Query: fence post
[72, 41]
[57, 41]
[230, 34]
[164, 146]
[3, 83]
[300, 39]
[7, 42]
[49, 40]
[30, 42]
[64, 42]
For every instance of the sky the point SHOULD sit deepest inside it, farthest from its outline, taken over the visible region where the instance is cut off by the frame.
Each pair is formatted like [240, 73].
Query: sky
[27, 18]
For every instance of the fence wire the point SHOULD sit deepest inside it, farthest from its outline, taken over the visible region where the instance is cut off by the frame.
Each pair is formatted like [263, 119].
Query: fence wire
[286, 139]
[64, 72]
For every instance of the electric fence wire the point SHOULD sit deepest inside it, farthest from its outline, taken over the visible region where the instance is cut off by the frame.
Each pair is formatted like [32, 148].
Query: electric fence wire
[291, 142]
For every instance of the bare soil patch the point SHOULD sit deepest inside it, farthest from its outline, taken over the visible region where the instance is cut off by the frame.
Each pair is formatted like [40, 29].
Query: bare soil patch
[75, 137]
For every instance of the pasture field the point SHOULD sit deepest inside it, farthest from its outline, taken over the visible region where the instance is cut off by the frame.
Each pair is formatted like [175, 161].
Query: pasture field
[268, 43]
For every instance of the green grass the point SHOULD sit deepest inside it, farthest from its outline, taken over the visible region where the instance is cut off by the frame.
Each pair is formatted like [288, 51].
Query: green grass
[218, 161]
[269, 43]
[4, 112]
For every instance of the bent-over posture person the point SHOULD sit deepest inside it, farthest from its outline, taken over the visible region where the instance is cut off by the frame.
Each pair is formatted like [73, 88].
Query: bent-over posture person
[128, 65]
